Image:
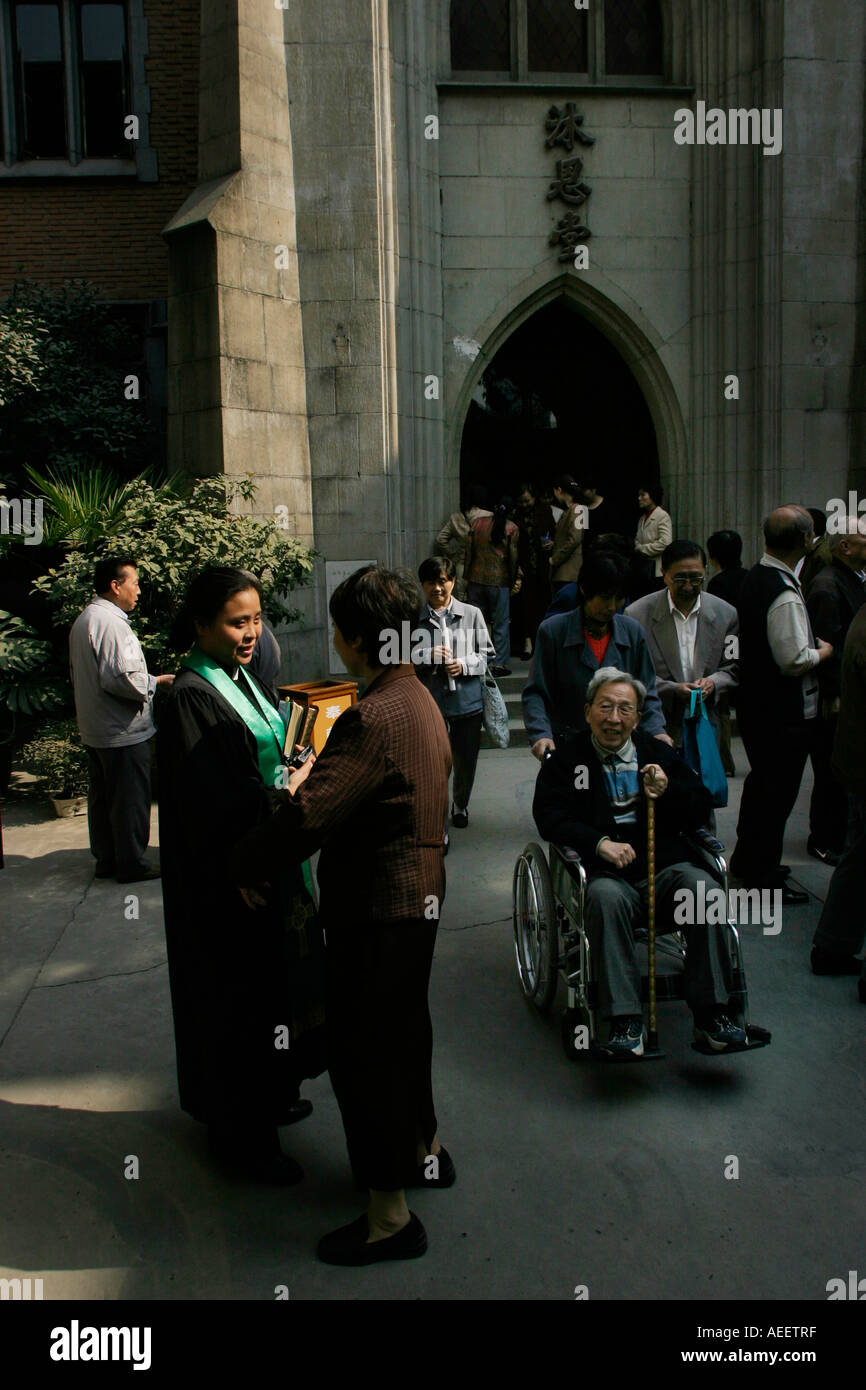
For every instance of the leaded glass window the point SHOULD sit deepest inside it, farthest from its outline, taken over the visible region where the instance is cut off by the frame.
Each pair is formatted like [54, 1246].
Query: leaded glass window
[632, 38]
[480, 35]
[557, 37]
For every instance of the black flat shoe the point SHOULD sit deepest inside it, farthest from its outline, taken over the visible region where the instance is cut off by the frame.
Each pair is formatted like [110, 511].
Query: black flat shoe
[444, 1171]
[299, 1111]
[257, 1156]
[349, 1245]
[277, 1170]
[793, 896]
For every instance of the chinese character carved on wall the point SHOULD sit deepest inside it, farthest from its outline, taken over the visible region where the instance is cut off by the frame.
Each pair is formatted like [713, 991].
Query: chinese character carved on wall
[567, 185]
[563, 128]
[569, 231]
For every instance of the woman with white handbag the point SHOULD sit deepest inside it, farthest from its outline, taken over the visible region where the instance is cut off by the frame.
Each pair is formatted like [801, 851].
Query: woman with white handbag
[454, 658]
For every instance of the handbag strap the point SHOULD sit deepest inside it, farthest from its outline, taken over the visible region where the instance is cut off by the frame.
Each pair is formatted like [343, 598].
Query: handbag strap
[697, 695]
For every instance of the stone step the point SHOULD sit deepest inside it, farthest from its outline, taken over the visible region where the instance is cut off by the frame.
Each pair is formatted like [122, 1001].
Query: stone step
[511, 688]
[517, 736]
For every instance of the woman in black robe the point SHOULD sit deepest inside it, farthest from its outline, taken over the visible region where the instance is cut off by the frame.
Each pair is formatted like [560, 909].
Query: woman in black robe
[247, 989]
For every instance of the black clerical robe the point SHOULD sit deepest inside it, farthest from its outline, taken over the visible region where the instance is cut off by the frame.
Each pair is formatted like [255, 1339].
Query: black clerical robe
[247, 987]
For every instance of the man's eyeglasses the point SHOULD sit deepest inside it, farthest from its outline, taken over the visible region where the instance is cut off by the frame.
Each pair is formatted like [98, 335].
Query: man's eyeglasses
[607, 709]
[694, 579]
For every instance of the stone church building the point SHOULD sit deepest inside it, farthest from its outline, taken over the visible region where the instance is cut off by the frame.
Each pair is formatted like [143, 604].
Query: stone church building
[434, 240]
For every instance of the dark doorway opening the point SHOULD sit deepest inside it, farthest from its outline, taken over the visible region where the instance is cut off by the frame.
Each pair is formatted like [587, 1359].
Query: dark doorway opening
[558, 398]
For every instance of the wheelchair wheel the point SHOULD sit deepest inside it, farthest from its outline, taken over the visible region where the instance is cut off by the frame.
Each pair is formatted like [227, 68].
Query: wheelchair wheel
[536, 930]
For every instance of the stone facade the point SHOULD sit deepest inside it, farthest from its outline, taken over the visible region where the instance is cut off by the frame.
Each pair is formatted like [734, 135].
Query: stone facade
[343, 381]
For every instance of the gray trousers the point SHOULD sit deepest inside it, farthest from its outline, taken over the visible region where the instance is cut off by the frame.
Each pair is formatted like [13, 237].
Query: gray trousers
[842, 925]
[118, 807]
[614, 908]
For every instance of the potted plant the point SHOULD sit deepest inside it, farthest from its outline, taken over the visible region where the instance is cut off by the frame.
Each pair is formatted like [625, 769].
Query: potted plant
[59, 758]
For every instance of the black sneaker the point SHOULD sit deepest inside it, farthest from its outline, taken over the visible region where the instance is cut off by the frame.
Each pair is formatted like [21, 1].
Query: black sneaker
[500, 671]
[627, 1038]
[829, 963]
[717, 1033]
[459, 819]
[826, 856]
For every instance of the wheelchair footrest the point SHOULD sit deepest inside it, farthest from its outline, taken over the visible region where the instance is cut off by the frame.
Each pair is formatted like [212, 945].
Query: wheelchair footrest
[598, 1052]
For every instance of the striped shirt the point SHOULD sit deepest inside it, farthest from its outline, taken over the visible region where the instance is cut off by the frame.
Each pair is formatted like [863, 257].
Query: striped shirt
[621, 780]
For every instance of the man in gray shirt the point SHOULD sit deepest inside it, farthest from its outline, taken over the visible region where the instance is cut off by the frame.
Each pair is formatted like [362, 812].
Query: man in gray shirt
[113, 698]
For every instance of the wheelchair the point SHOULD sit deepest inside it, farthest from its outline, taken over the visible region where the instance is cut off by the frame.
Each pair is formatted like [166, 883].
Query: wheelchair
[551, 943]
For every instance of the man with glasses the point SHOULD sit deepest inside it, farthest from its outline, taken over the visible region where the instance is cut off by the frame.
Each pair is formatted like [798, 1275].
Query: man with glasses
[692, 637]
[571, 647]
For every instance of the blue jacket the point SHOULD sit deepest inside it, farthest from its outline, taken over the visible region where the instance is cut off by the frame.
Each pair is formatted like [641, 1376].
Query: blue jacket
[563, 666]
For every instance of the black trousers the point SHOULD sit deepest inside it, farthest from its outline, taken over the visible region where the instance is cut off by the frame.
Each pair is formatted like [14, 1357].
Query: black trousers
[464, 734]
[380, 1045]
[828, 809]
[842, 926]
[118, 806]
[777, 755]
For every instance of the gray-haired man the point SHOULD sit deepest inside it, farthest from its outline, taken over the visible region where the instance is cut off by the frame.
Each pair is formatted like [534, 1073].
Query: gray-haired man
[591, 794]
[113, 695]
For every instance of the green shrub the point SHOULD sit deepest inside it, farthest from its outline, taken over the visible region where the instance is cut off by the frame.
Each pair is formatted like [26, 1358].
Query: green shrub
[172, 538]
[29, 680]
[59, 758]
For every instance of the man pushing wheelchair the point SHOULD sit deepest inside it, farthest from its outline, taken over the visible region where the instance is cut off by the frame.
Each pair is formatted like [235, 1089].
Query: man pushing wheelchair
[592, 794]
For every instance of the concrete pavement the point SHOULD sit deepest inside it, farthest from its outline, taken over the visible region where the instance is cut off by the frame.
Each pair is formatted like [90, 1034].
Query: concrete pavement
[568, 1174]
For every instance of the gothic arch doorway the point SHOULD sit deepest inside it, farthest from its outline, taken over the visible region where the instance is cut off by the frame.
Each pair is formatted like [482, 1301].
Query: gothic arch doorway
[558, 397]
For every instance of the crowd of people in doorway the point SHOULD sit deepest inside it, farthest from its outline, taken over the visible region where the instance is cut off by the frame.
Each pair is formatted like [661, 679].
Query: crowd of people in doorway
[623, 630]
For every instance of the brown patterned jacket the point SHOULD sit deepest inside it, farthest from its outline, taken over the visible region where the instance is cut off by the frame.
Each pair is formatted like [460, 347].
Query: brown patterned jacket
[376, 803]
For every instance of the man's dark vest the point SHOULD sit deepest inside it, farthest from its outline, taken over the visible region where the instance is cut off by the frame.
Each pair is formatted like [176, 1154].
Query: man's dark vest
[762, 686]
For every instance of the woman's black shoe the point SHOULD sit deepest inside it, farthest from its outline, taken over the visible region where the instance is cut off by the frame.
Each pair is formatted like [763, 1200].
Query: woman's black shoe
[258, 1157]
[442, 1174]
[349, 1245]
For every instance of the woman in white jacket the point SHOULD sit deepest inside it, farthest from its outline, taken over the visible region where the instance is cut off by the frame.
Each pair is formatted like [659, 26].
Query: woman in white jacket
[654, 534]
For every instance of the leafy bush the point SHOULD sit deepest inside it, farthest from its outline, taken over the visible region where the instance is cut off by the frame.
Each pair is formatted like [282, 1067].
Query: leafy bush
[21, 363]
[86, 509]
[58, 756]
[172, 538]
[29, 680]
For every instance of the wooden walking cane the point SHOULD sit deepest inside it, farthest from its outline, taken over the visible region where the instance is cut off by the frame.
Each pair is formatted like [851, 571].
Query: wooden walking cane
[652, 1050]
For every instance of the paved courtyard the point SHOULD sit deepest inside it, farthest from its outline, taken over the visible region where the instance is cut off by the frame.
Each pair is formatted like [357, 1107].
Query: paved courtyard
[568, 1174]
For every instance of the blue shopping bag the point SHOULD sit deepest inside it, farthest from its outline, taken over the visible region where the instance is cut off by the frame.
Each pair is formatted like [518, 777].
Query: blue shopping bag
[701, 752]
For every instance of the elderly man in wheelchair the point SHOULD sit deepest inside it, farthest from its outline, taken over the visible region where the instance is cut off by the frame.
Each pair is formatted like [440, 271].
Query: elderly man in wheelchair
[591, 795]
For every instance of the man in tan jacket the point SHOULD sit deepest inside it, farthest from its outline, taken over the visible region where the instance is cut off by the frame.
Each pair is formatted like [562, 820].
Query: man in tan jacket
[567, 555]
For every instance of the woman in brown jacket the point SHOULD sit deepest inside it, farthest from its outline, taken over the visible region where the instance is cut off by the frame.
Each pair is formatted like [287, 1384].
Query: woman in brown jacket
[376, 804]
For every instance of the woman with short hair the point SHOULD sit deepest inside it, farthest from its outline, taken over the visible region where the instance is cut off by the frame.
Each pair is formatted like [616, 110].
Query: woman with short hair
[376, 804]
[456, 651]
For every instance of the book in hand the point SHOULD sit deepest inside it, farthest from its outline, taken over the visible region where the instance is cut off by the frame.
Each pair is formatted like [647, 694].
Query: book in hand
[299, 730]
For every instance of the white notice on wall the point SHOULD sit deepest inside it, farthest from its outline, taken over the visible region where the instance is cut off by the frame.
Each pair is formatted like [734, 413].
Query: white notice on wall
[335, 572]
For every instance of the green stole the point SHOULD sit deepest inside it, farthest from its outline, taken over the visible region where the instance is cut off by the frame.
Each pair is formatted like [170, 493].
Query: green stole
[262, 720]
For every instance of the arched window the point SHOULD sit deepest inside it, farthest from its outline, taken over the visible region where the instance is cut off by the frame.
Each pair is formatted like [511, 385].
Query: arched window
[526, 40]
[633, 38]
